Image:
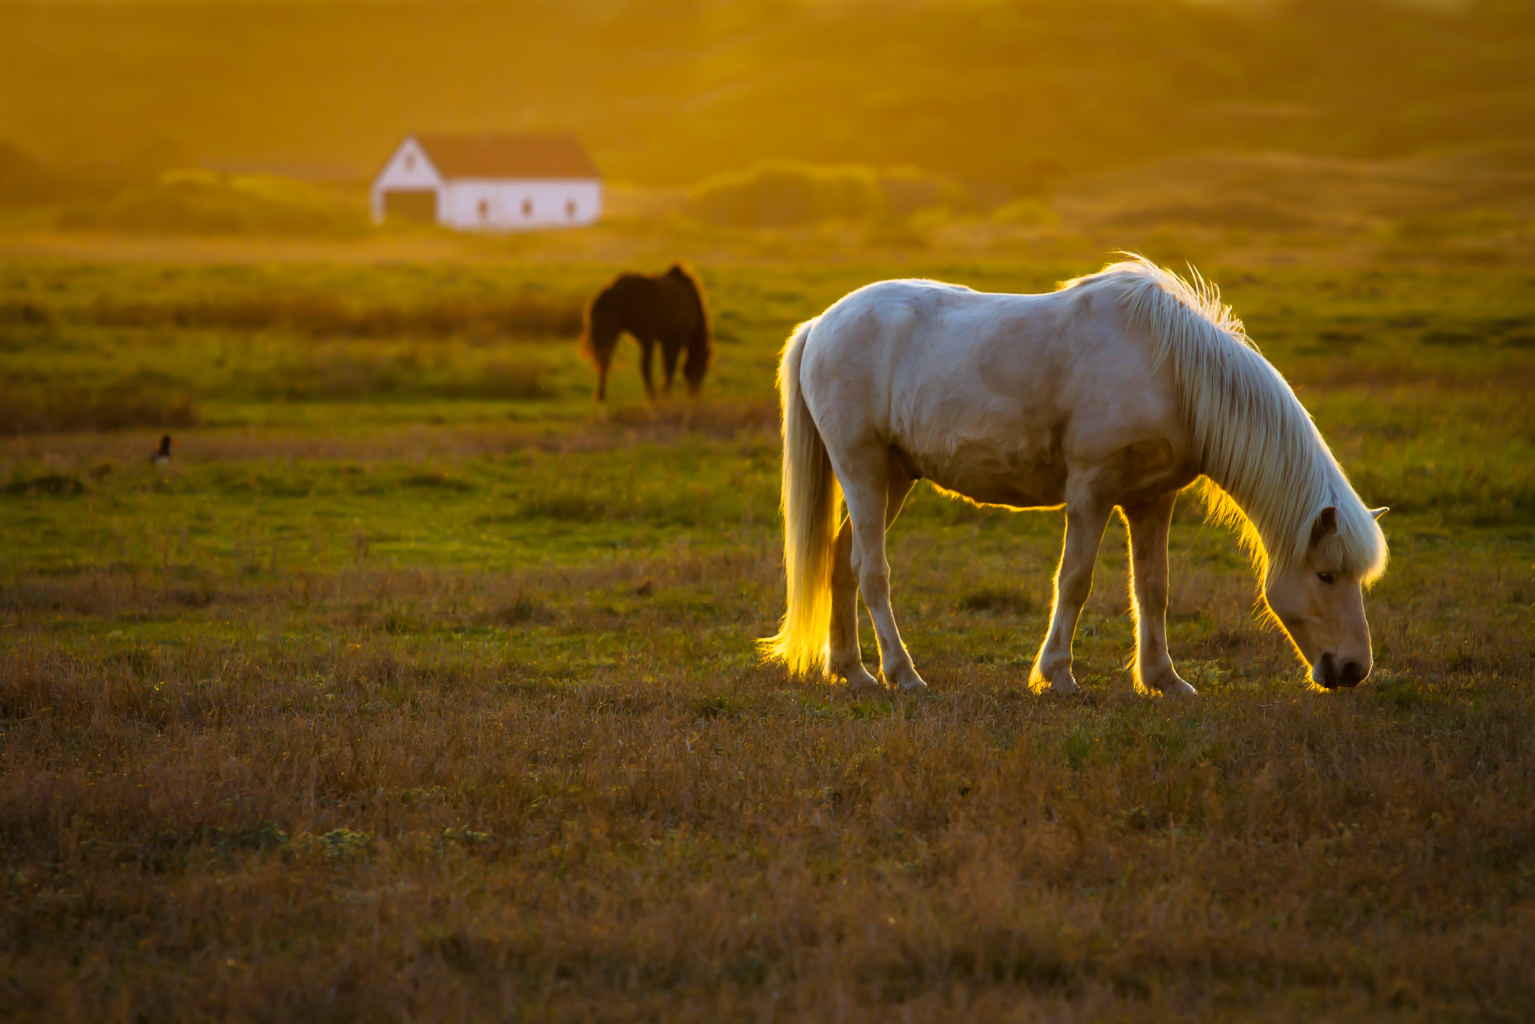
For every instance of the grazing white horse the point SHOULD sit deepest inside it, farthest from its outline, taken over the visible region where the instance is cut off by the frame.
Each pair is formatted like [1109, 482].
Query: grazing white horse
[1118, 390]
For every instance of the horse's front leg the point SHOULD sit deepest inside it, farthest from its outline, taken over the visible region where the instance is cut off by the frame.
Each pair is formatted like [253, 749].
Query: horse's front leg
[874, 494]
[1149, 525]
[1085, 520]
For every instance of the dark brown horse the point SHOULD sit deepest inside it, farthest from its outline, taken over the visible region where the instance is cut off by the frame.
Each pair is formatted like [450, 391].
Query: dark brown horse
[668, 309]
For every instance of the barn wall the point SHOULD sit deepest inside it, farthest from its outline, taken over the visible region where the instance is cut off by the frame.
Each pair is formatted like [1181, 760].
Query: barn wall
[499, 205]
[409, 169]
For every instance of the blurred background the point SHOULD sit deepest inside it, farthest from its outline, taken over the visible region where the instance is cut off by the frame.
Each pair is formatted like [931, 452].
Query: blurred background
[1367, 128]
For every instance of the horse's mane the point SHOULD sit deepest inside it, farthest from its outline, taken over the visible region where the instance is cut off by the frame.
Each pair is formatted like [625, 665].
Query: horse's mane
[1267, 469]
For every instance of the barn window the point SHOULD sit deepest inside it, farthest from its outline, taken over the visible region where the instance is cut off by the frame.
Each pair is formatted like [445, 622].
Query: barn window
[410, 161]
[570, 209]
[527, 207]
[484, 210]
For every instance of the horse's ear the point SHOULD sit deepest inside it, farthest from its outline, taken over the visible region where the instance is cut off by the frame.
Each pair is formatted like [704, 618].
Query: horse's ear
[1378, 512]
[1325, 526]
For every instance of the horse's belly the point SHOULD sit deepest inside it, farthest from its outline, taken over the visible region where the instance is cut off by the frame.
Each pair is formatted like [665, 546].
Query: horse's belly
[1020, 478]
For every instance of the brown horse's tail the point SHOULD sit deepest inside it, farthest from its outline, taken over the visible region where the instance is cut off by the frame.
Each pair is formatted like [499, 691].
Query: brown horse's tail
[599, 335]
[700, 340]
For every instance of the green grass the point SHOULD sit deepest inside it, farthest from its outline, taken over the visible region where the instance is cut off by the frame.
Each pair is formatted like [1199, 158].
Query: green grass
[407, 698]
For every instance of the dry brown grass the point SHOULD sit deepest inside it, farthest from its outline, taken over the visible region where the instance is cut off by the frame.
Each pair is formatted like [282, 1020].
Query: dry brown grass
[421, 793]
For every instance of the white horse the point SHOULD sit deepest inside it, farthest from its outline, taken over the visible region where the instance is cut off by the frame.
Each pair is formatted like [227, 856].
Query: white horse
[1120, 389]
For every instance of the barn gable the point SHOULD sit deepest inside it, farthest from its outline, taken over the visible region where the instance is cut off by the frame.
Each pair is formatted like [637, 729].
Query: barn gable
[408, 186]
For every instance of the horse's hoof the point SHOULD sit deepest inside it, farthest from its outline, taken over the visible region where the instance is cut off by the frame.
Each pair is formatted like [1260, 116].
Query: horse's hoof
[904, 679]
[860, 682]
[1064, 684]
[1058, 680]
[1170, 684]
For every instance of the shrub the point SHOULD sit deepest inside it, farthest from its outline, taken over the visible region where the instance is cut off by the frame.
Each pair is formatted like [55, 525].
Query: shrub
[42, 407]
[780, 194]
[1025, 213]
[319, 315]
[57, 484]
[907, 190]
[193, 202]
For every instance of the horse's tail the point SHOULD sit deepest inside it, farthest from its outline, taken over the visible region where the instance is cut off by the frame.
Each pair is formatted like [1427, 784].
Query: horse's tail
[700, 342]
[811, 498]
[700, 351]
[598, 335]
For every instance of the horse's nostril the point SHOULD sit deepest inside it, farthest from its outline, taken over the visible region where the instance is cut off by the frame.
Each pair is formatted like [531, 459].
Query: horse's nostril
[1329, 670]
[1352, 675]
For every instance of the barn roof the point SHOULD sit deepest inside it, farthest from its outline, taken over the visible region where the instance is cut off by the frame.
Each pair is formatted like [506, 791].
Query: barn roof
[507, 156]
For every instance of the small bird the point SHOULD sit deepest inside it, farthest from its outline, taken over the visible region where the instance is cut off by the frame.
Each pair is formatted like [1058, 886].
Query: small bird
[162, 454]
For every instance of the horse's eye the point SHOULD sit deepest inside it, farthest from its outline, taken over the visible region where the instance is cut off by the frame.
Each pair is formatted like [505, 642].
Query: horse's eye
[1325, 577]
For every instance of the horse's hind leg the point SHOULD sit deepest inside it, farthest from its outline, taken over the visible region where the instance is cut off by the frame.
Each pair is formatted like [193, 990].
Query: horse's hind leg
[647, 352]
[601, 337]
[670, 350]
[1148, 592]
[868, 480]
[1086, 516]
[846, 658]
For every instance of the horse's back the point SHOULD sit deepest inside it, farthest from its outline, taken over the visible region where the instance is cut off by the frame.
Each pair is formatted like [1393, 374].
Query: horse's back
[646, 305]
[992, 395]
[935, 349]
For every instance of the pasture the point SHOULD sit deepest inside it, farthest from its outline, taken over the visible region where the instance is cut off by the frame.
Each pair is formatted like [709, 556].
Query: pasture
[417, 687]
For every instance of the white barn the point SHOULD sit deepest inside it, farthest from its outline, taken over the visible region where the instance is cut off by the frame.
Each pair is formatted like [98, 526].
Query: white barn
[489, 182]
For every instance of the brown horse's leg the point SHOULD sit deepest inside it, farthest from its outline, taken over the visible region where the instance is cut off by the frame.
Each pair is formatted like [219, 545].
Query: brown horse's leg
[670, 350]
[647, 351]
[602, 374]
[598, 342]
[1148, 595]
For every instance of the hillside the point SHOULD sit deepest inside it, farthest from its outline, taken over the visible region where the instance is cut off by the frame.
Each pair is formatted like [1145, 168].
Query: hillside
[1016, 95]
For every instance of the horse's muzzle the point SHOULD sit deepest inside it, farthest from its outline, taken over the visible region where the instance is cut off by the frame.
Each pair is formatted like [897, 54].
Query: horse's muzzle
[1334, 675]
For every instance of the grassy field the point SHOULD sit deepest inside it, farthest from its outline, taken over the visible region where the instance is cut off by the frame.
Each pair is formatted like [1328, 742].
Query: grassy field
[418, 688]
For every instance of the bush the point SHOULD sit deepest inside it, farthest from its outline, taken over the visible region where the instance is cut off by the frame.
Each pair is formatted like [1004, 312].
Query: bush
[907, 190]
[193, 202]
[326, 316]
[42, 407]
[350, 375]
[782, 194]
[1025, 213]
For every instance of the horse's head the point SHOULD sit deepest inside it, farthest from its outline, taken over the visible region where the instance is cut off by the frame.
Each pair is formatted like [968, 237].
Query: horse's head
[1320, 604]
